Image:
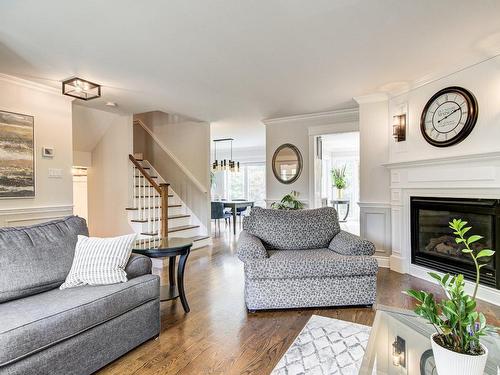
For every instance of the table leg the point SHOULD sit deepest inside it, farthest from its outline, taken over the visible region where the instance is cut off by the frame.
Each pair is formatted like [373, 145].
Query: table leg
[180, 280]
[234, 219]
[171, 271]
[347, 211]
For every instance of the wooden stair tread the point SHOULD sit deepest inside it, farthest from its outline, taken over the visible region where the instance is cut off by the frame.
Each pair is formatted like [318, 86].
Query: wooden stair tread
[181, 216]
[145, 177]
[156, 218]
[148, 208]
[152, 196]
[139, 186]
[182, 227]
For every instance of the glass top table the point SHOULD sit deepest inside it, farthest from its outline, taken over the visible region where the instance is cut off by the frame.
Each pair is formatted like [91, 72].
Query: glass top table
[412, 334]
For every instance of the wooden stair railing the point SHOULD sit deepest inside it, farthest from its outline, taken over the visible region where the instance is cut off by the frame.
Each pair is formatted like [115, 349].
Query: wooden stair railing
[146, 193]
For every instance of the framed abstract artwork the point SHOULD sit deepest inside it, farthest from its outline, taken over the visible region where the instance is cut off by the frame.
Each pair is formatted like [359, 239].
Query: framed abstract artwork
[17, 161]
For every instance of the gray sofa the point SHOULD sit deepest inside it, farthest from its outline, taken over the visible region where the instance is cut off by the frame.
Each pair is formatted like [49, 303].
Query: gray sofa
[302, 259]
[45, 330]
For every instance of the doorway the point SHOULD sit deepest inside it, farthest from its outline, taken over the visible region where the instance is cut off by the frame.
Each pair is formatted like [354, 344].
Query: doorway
[338, 180]
[80, 193]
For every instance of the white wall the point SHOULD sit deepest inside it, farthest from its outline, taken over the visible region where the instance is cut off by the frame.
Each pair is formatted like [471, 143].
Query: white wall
[80, 197]
[300, 131]
[483, 81]
[108, 179]
[297, 134]
[187, 139]
[374, 151]
[52, 121]
[179, 149]
[375, 223]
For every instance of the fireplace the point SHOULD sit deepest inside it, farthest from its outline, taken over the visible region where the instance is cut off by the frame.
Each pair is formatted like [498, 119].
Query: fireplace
[433, 243]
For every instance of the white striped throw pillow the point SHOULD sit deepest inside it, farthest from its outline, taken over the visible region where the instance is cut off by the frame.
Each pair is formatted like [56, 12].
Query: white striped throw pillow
[99, 261]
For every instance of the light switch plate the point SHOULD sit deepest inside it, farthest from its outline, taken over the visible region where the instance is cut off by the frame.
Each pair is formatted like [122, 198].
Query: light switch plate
[55, 173]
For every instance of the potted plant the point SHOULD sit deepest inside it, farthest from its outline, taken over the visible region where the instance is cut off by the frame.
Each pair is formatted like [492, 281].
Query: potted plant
[289, 202]
[339, 180]
[459, 326]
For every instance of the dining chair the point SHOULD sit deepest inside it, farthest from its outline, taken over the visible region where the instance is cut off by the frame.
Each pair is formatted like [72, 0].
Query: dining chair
[217, 213]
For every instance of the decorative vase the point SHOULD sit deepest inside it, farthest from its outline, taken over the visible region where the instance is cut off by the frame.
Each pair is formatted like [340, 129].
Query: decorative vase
[340, 193]
[449, 362]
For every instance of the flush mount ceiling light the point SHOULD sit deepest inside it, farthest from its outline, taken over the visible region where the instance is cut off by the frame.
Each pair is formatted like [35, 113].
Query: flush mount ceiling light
[81, 89]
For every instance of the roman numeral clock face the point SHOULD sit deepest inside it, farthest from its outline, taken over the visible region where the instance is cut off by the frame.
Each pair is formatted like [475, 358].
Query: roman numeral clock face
[449, 116]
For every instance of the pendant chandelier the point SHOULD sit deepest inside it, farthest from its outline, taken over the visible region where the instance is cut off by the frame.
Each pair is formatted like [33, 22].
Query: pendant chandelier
[224, 164]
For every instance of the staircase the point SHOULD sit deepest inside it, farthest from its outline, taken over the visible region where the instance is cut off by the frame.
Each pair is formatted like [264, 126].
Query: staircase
[157, 211]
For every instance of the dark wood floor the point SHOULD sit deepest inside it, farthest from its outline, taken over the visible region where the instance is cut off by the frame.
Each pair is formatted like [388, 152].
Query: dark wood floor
[218, 336]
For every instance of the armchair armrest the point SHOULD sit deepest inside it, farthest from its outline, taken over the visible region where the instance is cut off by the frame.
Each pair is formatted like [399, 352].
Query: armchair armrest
[250, 247]
[138, 265]
[346, 243]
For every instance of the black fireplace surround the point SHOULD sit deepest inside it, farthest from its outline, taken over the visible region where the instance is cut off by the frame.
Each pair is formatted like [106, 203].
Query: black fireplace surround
[433, 242]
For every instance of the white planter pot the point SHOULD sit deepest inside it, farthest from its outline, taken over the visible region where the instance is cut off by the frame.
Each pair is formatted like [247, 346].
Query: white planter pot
[449, 362]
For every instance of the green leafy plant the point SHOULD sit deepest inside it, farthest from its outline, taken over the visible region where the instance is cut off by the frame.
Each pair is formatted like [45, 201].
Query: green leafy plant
[289, 202]
[339, 177]
[455, 318]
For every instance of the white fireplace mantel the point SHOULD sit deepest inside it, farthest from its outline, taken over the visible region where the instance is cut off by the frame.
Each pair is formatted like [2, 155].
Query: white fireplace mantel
[465, 176]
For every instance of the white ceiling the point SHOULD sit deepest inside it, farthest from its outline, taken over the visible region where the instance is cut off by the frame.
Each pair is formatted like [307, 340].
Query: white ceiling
[236, 62]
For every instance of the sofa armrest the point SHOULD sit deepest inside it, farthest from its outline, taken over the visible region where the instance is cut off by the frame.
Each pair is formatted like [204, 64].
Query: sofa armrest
[346, 243]
[250, 247]
[138, 265]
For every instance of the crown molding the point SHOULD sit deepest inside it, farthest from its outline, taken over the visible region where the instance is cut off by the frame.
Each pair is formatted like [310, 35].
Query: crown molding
[29, 84]
[371, 98]
[341, 115]
[444, 160]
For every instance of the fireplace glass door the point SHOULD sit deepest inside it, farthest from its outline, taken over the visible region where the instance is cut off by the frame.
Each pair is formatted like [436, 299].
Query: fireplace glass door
[433, 242]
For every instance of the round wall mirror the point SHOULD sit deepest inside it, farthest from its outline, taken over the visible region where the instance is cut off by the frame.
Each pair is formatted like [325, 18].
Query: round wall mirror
[287, 163]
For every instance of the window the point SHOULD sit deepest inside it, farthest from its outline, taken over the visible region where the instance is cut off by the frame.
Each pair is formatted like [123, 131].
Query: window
[249, 183]
[236, 184]
[256, 184]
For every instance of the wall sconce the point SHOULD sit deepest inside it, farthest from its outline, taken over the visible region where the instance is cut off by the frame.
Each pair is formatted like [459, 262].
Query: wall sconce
[399, 127]
[399, 352]
[81, 89]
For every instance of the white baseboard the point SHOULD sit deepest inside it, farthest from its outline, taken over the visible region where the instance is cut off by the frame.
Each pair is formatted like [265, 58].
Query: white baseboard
[382, 261]
[398, 264]
[484, 293]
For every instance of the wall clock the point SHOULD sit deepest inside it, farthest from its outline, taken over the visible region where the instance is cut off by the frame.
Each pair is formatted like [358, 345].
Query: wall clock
[449, 116]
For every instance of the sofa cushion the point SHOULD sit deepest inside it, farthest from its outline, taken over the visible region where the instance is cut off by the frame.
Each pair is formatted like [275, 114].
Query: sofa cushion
[37, 258]
[289, 264]
[288, 230]
[36, 322]
[100, 261]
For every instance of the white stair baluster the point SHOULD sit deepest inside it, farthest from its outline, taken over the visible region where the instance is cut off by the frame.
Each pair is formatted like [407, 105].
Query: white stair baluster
[150, 191]
[134, 204]
[143, 196]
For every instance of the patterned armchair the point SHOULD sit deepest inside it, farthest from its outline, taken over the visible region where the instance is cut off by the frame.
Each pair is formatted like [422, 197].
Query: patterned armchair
[303, 259]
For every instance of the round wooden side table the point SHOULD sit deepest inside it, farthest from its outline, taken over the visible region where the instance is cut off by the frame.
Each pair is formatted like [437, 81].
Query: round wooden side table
[168, 248]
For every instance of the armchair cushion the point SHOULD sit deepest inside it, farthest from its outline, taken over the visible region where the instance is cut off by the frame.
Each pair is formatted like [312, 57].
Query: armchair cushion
[291, 230]
[311, 263]
[346, 243]
[250, 247]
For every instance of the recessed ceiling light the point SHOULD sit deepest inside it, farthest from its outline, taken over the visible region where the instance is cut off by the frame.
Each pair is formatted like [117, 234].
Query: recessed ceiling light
[111, 104]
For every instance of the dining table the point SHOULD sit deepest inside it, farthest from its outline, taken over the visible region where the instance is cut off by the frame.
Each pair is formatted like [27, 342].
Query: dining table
[234, 205]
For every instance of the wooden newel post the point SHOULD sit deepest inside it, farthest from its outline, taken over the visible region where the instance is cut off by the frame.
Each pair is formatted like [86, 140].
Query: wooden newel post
[164, 210]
